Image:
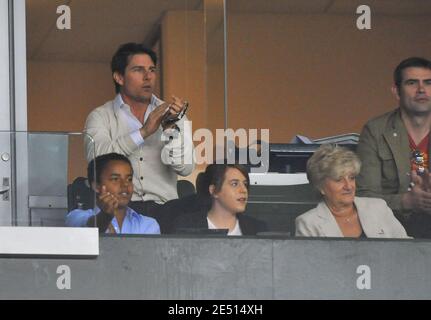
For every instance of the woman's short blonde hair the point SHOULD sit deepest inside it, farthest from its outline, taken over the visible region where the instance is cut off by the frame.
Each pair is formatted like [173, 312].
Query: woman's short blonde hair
[331, 161]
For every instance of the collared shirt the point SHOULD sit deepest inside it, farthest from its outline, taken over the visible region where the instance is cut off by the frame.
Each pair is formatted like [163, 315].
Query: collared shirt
[156, 161]
[134, 124]
[133, 223]
[236, 231]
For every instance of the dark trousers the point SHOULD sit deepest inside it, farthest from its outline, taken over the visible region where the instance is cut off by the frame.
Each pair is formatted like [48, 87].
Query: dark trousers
[167, 214]
[418, 225]
[150, 209]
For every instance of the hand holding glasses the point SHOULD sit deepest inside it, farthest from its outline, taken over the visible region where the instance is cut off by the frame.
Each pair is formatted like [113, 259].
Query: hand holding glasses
[170, 119]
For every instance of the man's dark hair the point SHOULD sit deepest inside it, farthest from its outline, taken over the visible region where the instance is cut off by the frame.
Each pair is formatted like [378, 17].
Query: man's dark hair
[97, 166]
[416, 62]
[121, 58]
[215, 174]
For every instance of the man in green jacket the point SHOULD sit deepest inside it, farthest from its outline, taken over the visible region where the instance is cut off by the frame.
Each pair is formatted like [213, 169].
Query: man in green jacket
[395, 150]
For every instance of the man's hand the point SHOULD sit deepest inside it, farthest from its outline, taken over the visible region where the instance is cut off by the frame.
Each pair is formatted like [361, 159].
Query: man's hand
[418, 198]
[160, 114]
[107, 202]
[424, 179]
[174, 109]
[154, 120]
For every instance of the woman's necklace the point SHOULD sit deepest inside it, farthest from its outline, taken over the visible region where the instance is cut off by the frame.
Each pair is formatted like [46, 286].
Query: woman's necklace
[349, 218]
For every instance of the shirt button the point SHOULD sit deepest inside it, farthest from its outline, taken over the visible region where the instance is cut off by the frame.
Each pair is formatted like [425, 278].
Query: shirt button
[141, 159]
[142, 178]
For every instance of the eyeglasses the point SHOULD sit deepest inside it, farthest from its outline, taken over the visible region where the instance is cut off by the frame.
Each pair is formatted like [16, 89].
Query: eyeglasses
[179, 116]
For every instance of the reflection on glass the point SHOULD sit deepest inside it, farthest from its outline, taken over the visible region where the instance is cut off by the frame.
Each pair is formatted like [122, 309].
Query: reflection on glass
[69, 69]
[305, 68]
[46, 165]
[215, 75]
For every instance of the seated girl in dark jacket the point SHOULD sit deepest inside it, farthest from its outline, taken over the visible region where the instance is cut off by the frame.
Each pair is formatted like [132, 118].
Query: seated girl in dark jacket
[227, 188]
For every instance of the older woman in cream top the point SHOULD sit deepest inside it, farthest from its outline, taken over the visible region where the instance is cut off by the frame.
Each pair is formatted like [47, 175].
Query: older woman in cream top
[332, 170]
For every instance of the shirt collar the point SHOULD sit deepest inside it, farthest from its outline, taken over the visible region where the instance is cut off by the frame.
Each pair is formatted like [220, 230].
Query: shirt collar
[119, 103]
[236, 231]
[129, 212]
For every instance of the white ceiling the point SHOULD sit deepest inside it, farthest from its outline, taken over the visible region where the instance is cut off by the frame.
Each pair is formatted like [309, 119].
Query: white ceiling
[99, 26]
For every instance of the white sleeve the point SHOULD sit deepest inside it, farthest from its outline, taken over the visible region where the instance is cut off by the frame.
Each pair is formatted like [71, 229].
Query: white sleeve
[99, 138]
[178, 151]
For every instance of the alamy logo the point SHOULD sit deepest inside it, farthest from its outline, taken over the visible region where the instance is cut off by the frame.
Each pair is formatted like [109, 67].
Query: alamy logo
[363, 282]
[225, 148]
[364, 20]
[64, 21]
[63, 281]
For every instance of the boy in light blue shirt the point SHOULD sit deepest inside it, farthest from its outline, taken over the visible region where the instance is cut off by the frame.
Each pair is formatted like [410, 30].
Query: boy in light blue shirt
[114, 188]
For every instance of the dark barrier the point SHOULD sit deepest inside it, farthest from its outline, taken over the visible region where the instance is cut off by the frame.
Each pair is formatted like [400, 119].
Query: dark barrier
[227, 268]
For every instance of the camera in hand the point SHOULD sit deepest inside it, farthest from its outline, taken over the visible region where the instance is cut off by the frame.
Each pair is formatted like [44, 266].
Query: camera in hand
[170, 119]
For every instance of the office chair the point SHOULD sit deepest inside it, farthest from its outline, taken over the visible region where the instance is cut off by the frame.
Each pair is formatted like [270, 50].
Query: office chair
[185, 188]
[80, 195]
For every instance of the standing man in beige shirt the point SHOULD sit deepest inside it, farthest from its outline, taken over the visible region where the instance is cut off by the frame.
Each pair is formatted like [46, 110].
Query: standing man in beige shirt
[138, 124]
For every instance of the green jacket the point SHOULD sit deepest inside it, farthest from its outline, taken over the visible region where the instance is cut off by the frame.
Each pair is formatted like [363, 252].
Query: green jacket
[385, 154]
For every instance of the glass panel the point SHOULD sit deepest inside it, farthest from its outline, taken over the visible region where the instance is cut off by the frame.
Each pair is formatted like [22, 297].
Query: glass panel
[316, 71]
[312, 68]
[215, 75]
[52, 162]
[68, 65]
